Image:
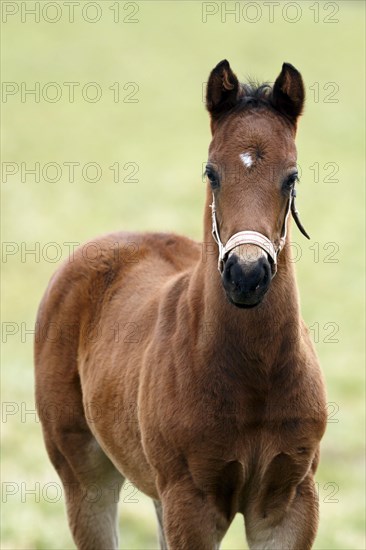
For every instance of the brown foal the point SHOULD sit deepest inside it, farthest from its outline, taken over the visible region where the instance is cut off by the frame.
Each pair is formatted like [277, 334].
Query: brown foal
[200, 385]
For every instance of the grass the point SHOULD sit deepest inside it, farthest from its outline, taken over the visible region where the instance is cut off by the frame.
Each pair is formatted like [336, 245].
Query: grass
[169, 54]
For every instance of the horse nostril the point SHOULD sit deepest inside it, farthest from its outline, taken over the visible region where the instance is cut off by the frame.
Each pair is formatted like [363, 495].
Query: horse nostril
[267, 273]
[261, 275]
[233, 272]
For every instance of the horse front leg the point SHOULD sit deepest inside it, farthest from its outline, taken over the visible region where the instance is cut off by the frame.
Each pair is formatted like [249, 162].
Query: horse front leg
[293, 526]
[191, 519]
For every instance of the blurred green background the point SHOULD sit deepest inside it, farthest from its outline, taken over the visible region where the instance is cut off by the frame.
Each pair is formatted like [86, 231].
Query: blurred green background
[159, 54]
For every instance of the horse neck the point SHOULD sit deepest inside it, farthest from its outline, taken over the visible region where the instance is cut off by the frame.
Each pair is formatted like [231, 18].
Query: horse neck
[266, 326]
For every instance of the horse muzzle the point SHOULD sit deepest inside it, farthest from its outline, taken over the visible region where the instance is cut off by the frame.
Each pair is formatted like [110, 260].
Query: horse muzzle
[246, 279]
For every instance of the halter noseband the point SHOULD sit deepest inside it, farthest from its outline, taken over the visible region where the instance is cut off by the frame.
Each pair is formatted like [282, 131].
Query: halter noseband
[253, 237]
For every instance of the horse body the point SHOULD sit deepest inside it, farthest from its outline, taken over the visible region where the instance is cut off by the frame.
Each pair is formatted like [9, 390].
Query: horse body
[207, 408]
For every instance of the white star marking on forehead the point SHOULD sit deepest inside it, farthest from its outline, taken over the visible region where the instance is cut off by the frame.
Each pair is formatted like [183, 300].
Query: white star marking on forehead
[247, 159]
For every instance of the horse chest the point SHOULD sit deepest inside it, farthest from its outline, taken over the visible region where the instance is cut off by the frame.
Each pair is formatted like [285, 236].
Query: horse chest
[236, 458]
[252, 432]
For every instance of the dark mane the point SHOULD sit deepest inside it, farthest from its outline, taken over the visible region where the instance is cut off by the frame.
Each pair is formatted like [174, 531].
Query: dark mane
[252, 95]
[255, 95]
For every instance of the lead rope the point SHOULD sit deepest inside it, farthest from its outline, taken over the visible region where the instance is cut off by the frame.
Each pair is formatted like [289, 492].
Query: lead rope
[248, 237]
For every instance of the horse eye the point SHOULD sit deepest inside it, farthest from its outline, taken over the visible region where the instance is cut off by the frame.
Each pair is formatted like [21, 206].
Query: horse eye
[213, 177]
[291, 180]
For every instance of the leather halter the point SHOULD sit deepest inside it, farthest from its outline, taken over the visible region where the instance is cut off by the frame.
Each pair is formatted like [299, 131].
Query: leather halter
[253, 237]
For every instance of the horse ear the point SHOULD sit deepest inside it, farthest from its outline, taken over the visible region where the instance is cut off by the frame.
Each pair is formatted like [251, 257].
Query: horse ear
[288, 93]
[222, 89]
